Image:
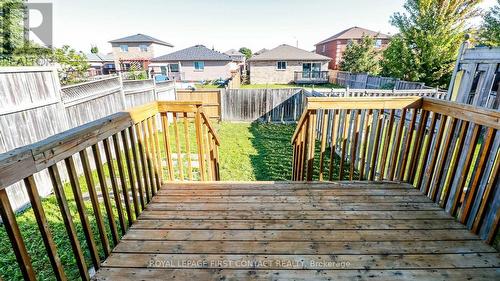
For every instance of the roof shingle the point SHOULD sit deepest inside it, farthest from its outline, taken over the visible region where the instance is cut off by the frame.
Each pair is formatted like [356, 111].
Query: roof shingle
[287, 52]
[141, 38]
[195, 53]
[355, 33]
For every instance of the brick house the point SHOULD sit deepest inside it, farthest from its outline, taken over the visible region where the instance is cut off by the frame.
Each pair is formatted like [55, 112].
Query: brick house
[135, 50]
[335, 45]
[286, 64]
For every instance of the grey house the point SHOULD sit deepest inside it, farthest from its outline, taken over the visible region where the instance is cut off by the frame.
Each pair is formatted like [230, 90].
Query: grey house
[286, 64]
[197, 63]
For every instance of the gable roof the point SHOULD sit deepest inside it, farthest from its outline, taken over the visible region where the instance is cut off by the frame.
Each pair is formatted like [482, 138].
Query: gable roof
[99, 57]
[141, 38]
[197, 52]
[355, 33]
[287, 52]
[233, 52]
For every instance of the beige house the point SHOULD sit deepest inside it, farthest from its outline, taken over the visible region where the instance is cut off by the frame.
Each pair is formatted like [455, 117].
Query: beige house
[135, 50]
[197, 63]
[286, 64]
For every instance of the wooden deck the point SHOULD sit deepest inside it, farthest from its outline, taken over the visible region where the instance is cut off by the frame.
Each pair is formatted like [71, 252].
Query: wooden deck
[297, 231]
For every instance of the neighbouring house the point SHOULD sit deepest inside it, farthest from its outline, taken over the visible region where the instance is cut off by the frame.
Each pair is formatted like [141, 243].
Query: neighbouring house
[237, 58]
[135, 50]
[196, 63]
[286, 64]
[100, 64]
[261, 51]
[335, 45]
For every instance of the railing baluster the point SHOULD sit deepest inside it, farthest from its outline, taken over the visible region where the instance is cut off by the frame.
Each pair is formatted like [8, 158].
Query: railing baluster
[445, 149]
[105, 193]
[157, 151]
[333, 144]
[465, 170]
[323, 143]
[398, 138]
[82, 213]
[130, 171]
[345, 130]
[407, 145]
[143, 156]
[43, 226]
[16, 239]
[354, 143]
[199, 143]
[95, 202]
[68, 222]
[365, 142]
[168, 152]
[311, 145]
[373, 160]
[180, 162]
[424, 155]
[123, 179]
[154, 158]
[137, 168]
[188, 147]
[149, 158]
[450, 174]
[429, 171]
[206, 140]
[387, 141]
[114, 185]
[478, 172]
[415, 155]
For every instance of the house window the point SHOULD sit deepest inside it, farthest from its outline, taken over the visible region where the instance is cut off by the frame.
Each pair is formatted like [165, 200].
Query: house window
[124, 48]
[143, 48]
[378, 43]
[324, 48]
[199, 65]
[281, 65]
[174, 67]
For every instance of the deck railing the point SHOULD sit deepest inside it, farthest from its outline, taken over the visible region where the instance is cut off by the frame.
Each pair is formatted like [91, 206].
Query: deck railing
[450, 151]
[125, 151]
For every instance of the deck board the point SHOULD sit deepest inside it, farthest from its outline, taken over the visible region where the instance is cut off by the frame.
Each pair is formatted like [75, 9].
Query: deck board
[297, 231]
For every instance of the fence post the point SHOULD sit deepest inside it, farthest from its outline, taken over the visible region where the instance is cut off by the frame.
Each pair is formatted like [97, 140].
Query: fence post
[122, 92]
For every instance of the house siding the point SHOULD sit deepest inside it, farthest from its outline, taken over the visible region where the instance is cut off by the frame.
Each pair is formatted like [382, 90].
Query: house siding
[265, 72]
[134, 53]
[336, 48]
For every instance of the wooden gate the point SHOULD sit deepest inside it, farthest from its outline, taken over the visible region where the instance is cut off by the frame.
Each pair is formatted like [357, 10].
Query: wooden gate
[209, 97]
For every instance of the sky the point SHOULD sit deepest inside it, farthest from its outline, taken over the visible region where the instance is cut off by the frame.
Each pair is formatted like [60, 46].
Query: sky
[221, 24]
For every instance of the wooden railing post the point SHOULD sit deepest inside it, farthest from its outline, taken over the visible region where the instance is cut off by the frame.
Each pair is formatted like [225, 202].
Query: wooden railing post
[311, 141]
[199, 143]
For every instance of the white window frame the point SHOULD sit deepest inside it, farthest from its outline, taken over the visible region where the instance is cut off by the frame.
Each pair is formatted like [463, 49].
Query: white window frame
[378, 43]
[281, 69]
[124, 48]
[324, 48]
[199, 69]
[143, 48]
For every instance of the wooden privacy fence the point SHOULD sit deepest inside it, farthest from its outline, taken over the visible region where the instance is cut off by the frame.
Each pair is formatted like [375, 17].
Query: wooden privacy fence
[367, 81]
[33, 106]
[450, 151]
[271, 105]
[211, 99]
[134, 167]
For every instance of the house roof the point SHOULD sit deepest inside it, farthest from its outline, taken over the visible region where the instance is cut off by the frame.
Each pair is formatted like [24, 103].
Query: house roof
[233, 52]
[197, 52]
[261, 51]
[287, 52]
[141, 38]
[99, 57]
[355, 33]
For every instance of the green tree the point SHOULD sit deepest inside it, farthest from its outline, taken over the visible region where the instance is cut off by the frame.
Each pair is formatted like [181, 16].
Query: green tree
[246, 51]
[11, 26]
[94, 49]
[430, 35]
[72, 65]
[361, 57]
[490, 30]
